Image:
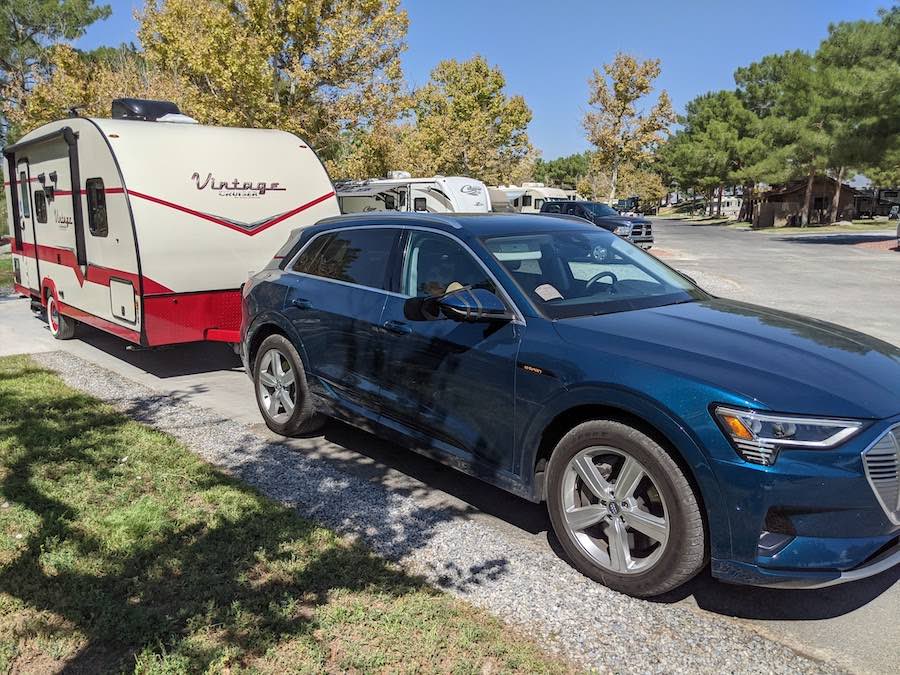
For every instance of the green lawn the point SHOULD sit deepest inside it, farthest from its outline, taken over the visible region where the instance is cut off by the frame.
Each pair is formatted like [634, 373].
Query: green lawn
[6, 271]
[120, 550]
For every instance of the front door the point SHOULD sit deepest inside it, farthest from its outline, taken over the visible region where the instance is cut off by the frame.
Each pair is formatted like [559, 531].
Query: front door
[450, 383]
[336, 294]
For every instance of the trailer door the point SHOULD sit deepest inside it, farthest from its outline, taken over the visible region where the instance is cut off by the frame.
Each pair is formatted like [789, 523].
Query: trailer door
[28, 270]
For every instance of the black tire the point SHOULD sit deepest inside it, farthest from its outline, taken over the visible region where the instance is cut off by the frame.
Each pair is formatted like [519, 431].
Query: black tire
[61, 327]
[684, 554]
[303, 419]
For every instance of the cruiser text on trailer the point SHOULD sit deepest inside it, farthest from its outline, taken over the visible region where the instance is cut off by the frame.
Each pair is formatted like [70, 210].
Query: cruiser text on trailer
[146, 227]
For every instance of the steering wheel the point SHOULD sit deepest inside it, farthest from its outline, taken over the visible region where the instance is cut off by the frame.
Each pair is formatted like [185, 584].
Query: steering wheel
[594, 279]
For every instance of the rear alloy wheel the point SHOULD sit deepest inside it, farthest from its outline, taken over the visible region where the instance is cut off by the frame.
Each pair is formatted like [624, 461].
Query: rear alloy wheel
[623, 510]
[281, 390]
[61, 327]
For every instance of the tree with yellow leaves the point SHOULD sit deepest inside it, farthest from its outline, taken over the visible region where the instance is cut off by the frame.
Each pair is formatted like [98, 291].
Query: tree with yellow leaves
[317, 68]
[622, 135]
[466, 125]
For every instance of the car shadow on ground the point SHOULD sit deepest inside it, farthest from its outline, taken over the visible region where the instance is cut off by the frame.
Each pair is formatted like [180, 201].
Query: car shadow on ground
[373, 459]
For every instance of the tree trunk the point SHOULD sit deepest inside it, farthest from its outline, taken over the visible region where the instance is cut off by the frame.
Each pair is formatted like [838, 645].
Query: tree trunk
[612, 183]
[746, 212]
[807, 200]
[836, 200]
[710, 202]
[719, 205]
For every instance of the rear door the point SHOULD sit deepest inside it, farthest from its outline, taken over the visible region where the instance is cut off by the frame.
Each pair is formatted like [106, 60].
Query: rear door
[336, 294]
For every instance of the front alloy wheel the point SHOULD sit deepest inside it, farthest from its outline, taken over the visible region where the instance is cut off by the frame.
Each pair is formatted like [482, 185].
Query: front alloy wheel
[623, 509]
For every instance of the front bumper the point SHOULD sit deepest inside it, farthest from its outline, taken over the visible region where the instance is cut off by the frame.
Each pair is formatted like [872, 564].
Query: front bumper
[812, 519]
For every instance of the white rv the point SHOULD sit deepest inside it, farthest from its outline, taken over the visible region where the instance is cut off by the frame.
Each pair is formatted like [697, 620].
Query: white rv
[400, 192]
[147, 228]
[530, 197]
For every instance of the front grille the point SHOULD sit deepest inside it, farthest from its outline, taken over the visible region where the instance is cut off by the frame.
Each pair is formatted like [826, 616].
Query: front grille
[882, 462]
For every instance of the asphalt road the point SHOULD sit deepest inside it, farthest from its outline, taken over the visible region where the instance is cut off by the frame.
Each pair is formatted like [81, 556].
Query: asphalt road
[856, 626]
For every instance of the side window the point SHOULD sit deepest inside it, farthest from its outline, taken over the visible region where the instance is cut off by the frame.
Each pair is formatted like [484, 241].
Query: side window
[573, 210]
[24, 201]
[355, 256]
[435, 264]
[40, 206]
[306, 260]
[552, 208]
[538, 203]
[526, 200]
[96, 201]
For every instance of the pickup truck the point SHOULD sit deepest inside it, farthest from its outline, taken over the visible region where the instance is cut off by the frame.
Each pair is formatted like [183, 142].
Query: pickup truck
[636, 229]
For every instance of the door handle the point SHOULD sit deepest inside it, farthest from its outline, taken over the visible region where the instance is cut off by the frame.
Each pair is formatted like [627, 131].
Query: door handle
[397, 327]
[301, 303]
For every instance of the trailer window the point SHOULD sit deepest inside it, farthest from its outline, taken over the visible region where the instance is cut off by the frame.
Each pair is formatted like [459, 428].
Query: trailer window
[526, 200]
[40, 206]
[25, 201]
[96, 199]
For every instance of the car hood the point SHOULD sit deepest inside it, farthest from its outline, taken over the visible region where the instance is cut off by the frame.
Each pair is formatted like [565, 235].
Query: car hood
[782, 361]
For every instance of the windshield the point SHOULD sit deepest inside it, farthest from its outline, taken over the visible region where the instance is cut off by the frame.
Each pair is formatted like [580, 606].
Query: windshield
[601, 209]
[578, 273]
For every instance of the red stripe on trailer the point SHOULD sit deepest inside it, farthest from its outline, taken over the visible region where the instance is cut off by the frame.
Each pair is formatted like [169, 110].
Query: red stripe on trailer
[97, 322]
[109, 191]
[191, 317]
[95, 273]
[224, 223]
[23, 290]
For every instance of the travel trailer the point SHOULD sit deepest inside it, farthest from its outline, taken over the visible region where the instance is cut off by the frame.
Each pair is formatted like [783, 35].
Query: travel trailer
[401, 192]
[530, 197]
[147, 224]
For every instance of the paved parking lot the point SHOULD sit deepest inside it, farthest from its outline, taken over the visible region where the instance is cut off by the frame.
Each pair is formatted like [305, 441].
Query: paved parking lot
[856, 626]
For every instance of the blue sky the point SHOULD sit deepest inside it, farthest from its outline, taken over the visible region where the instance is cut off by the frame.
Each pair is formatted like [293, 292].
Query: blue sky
[547, 50]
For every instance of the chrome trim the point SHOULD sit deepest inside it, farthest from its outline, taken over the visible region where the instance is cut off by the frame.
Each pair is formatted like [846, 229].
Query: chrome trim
[882, 486]
[519, 317]
[880, 564]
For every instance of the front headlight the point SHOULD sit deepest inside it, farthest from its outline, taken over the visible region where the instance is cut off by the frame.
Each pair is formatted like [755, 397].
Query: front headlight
[758, 436]
[623, 230]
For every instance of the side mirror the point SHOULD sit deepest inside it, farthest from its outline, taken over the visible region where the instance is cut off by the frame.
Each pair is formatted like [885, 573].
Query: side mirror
[476, 305]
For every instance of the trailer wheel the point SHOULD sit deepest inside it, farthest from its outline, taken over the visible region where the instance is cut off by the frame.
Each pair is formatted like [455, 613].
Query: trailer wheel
[281, 390]
[61, 327]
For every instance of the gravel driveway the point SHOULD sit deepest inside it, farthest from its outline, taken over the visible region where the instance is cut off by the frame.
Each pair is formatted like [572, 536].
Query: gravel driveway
[526, 586]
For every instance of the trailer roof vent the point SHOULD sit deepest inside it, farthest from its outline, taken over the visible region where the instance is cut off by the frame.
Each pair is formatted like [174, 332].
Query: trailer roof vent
[142, 109]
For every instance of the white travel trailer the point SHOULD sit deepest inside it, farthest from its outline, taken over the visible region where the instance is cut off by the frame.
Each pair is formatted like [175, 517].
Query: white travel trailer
[530, 197]
[147, 228]
[438, 194]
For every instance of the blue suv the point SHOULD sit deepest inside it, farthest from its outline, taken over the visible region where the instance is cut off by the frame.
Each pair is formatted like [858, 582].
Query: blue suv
[663, 427]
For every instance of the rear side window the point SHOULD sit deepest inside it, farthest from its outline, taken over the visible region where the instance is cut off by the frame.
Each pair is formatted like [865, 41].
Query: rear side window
[40, 206]
[551, 208]
[96, 200]
[354, 256]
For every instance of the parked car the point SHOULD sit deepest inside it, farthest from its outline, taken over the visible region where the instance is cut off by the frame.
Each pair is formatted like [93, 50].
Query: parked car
[636, 229]
[662, 426]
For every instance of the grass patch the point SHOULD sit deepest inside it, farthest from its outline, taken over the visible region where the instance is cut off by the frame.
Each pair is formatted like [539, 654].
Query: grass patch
[6, 271]
[121, 550]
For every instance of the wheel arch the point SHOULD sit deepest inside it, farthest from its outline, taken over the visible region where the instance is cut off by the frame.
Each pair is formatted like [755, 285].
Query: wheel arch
[264, 325]
[658, 424]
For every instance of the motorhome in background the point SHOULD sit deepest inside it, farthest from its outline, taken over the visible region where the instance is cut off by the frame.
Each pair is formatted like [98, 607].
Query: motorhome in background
[146, 225]
[501, 200]
[401, 192]
[530, 197]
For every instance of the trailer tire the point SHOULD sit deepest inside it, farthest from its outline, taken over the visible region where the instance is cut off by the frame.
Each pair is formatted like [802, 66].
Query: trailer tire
[61, 327]
[282, 393]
